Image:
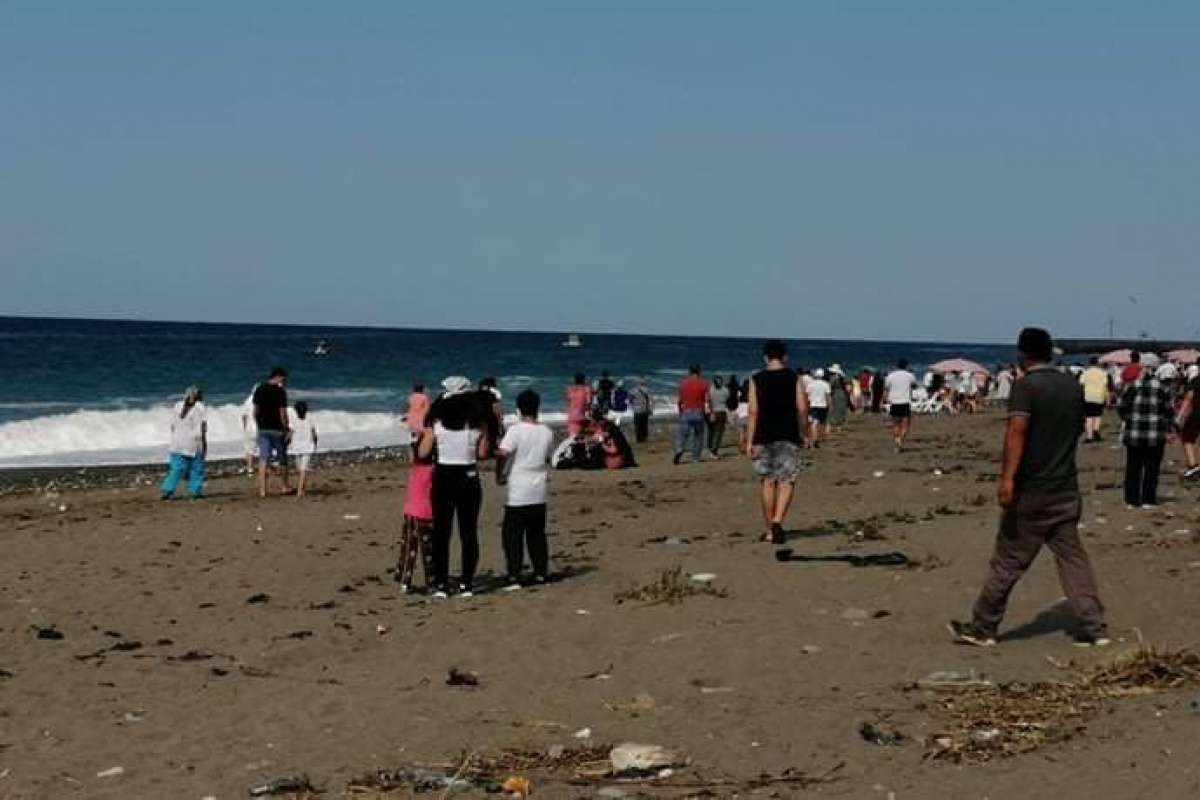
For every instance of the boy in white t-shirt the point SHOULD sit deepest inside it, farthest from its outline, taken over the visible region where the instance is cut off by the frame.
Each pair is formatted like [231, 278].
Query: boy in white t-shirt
[521, 464]
[303, 444]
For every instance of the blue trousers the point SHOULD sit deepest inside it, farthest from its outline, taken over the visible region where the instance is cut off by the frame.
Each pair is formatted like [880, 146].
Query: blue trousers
[691, 426]
[180, 465]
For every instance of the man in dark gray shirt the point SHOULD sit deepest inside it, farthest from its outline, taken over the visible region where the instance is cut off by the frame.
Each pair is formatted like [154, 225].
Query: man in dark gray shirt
[1039, 495]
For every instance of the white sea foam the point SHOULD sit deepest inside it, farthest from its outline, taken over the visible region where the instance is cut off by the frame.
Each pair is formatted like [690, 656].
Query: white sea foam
[142, 435]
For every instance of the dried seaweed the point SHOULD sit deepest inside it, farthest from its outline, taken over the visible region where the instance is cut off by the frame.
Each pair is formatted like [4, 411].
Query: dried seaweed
[1009, 719]
[670, 587]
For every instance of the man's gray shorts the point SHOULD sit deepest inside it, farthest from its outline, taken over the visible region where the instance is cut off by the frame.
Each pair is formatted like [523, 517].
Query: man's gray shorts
[779, 462]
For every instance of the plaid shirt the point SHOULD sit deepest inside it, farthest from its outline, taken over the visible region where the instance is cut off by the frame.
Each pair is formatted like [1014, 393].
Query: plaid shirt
[1147, 411]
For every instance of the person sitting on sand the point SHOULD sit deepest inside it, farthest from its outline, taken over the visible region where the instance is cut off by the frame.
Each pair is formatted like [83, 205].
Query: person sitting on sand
[617, 454]
[1039, 495]
[521, 466]
[303, 445]
[778, 412]
[189, 444]
[458, 426]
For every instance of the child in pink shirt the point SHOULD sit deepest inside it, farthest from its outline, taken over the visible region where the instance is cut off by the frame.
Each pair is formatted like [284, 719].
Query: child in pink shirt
[417, 533]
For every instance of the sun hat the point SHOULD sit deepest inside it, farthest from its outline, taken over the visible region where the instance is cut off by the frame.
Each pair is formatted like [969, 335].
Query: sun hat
[836, 369]
[819, 373]
[456, 385]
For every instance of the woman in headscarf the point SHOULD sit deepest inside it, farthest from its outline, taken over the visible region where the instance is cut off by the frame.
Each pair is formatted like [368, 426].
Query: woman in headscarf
[189, 444]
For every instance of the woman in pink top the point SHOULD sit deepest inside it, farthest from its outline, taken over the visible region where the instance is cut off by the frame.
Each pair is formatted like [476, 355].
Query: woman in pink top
[417, 534]
[579, 402]
[418, 407]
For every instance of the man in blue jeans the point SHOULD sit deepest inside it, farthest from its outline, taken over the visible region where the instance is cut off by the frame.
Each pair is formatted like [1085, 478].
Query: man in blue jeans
[271, 417]
[694, 409]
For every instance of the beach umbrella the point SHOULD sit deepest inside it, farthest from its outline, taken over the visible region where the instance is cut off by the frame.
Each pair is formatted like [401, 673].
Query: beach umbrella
[1150, 360]
[1186, 356]
[1118, 358]
[958, 365]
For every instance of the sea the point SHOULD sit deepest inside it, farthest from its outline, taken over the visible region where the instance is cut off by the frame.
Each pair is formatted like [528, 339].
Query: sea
[77, 392]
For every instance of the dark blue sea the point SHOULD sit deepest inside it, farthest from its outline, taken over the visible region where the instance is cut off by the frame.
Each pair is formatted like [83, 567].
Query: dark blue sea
[92, 391]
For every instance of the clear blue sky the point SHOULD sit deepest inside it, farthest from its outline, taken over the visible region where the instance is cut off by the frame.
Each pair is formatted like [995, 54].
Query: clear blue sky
[888, 170]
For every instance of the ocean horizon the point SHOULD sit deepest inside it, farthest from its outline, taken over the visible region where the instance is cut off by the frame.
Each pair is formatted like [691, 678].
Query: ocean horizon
[98, 391]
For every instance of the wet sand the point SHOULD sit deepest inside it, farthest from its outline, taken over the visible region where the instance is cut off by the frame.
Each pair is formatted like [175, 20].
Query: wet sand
[167, 669]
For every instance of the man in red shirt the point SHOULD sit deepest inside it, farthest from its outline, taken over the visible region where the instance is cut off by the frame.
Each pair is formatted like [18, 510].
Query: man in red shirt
[693, 411]
[1134, 371]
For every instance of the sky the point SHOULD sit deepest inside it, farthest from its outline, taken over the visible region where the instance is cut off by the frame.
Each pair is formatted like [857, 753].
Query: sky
[895, 170]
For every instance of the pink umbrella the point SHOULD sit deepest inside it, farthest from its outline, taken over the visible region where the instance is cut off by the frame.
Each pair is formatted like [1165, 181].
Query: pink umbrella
[1118, 358]
[1187, 356]
[958, 365]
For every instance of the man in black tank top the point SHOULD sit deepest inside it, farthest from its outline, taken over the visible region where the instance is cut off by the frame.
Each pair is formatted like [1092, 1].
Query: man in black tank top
[778, 410]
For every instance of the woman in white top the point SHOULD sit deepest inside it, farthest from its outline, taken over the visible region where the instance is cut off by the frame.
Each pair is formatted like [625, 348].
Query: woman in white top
[189, 444]
[457, 431]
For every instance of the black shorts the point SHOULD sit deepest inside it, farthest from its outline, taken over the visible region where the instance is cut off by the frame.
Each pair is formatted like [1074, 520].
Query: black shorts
[819, 415]
[1191, 430]
[1093, 410]
[901, 411]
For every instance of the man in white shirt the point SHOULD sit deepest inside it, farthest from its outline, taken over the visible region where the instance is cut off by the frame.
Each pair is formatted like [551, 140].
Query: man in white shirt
[818, 392]
[899, 387]
[521, 464]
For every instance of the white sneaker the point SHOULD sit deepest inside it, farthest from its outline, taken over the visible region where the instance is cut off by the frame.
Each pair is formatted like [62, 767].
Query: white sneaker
[513, 587]
[440, 595]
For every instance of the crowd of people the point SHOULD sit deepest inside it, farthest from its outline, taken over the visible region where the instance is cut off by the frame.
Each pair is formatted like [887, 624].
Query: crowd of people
[775, 414]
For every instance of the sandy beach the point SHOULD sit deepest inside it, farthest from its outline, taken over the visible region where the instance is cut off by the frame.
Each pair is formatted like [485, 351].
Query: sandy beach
[207, 648]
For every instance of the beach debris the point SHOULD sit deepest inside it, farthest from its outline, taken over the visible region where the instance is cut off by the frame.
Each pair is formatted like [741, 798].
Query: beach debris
[517, 786]
[883, 734]
[49, 633]
[583, 733]
[878, 473]
[583, 612]
[889, 559]
[1194, 704]
[6, 674]
[257, 599]
[670, 587]
[953, 680]
[985, 722]
[352, 517]
[810, 649]
[631, 759]
[881, 613]
[134, 716]
[459, 677]
[111, 772]
[382, 629]
[704, 577]
[598, 675]
[288, 785]
[855, 614]
[640, 702]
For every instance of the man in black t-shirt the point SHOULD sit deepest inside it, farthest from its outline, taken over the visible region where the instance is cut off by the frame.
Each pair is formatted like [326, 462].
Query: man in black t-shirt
[271, 417]
[1039, 495]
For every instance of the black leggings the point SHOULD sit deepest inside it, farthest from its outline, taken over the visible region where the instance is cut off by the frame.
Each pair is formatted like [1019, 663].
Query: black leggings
[456, 491]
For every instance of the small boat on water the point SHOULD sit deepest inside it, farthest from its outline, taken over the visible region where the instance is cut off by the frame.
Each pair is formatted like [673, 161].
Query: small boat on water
[572, 341]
